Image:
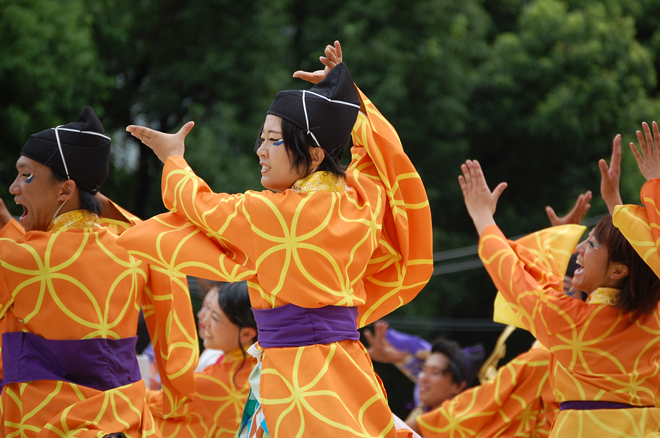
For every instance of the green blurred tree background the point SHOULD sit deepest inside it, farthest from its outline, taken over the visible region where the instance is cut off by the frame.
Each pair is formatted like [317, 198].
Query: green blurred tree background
[534, 89]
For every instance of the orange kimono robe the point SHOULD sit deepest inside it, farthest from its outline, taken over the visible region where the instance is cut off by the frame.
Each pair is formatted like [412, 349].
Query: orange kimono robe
[365, 242]
[599, 353]
[73, 284]
[220, 394]
[519, 402]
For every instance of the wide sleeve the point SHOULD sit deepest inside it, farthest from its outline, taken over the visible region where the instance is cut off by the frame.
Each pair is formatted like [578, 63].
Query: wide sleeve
[403, 261]
[513, 404]
[528, 276]
[12, 231]
[169, 317]
[206, 234]
[641, 225]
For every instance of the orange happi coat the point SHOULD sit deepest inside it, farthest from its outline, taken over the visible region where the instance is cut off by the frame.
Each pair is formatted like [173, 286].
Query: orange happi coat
[220, 394]
[364, 242]
[598, 351]
[76, 283]
[519, 402]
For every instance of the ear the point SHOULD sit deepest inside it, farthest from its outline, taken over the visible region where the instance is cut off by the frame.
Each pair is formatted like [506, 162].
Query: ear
[68, 190]
[317, 154]
[458, 387]
[246, 335]
[618, 271]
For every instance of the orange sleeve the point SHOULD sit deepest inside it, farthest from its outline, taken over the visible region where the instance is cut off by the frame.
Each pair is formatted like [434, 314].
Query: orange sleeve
[169, 317]
[206, 234]
[641, 225]
[528, 278]
[514, 404]
[12, 230]
[402, 263]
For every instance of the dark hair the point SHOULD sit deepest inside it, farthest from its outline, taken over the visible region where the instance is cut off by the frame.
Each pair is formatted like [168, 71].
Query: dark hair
[464, 363]
[640, 289]
[87, 200]
[297, 143]
[234, 300]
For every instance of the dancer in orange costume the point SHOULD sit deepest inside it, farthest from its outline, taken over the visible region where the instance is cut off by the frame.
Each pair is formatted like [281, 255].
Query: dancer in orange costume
[336, 248]
[605, 354]
[514, 404]
[221, 389]
[71, 298]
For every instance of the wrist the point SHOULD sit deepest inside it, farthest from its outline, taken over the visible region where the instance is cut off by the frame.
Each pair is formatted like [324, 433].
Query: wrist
[483, 222]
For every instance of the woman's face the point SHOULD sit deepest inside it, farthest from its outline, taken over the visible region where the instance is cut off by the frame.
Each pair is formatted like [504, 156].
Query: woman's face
[37, 191]
[221, 333]
[276, 171]
[211, 295]
[435, 381]
[595, 270]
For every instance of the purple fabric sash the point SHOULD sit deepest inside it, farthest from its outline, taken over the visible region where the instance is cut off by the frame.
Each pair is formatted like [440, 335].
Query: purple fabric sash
[592, 405]
[293, 326]
[100, 364]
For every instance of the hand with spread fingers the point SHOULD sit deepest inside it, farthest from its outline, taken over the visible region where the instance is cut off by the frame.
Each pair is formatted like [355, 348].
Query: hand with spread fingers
[648, 155]
[380, 350]
[164, 145]
[574, 216]
[610, 176]
[333, 56]
[479, 200]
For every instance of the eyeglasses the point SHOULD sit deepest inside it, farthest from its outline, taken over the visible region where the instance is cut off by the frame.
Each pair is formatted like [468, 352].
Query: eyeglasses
[432, 372]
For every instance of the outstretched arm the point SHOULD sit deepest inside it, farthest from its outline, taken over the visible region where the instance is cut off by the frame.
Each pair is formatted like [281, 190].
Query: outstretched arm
[164, 145]
[479, 200]
[333, 56]
[649, 158]
[574, 216]
[610, 176]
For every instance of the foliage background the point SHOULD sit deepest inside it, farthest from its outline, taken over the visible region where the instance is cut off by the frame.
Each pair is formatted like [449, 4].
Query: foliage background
[534, 89]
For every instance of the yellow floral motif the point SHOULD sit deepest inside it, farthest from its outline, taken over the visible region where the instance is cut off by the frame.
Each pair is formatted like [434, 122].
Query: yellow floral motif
[363, 241]
[599, 353]
[604, 295]
[220, 394]
[76, 283]
[517, 403]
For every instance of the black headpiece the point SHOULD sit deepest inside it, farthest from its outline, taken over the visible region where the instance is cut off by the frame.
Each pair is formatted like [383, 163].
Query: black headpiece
[327, 111]
[84, 146]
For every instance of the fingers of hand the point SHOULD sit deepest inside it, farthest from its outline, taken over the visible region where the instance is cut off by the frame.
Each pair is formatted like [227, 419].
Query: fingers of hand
[642, 143]
[647, 136]
[636, 154]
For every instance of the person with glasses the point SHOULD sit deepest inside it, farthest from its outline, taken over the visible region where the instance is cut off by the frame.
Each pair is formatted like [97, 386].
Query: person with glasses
[70, 297]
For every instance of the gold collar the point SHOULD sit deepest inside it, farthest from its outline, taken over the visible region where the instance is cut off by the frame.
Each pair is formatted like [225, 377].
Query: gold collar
[321, 181]
[604, 295]
[74, 219]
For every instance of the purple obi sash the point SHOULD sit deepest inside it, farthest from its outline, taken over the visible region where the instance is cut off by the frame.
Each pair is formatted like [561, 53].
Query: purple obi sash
[293, 326]
[100, 364]
[592, 405]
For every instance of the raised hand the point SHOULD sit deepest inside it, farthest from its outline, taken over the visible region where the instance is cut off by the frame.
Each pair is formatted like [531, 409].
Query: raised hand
[380, 349]
[164, 145]
[574, 216]
[649, 158]
[610, 176]
[479, 200]
[333, 56]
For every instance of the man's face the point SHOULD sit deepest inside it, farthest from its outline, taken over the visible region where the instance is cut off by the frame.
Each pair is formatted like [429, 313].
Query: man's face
[36, 189]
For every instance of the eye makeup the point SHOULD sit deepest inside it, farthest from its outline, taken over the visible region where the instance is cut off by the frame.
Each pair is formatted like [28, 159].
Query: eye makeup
[30, 178]
[278, 143]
